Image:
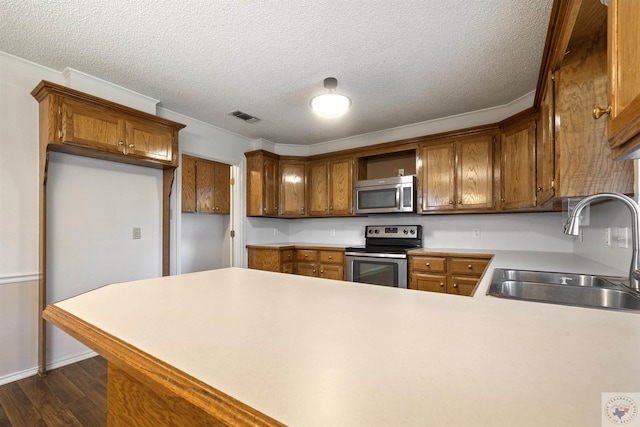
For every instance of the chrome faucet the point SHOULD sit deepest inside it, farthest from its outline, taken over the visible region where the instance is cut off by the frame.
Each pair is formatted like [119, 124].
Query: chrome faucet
[573, 227]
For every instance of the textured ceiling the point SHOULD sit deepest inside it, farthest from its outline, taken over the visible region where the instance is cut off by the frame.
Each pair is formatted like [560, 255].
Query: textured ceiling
[400, 61]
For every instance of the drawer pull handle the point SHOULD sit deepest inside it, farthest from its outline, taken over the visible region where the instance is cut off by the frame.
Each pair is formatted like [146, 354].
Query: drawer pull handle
[330, 257]
[441, 284]
[428, 264]
[455, 285]
[469, 266]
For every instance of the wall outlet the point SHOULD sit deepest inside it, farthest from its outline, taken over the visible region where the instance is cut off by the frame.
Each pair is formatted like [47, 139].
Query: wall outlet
[475, 232]
[400, 172]
[137, 233]
[623, 237]
[275, 231]
[333, 232]
[607, 236]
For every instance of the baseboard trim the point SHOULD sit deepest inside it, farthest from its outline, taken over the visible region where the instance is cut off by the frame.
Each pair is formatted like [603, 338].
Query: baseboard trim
[51, 366]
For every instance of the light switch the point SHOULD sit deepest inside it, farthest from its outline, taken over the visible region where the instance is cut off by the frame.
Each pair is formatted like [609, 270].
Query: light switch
[137, 233]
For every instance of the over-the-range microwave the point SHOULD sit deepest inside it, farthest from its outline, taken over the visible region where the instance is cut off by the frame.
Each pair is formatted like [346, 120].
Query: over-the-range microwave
[387, 195]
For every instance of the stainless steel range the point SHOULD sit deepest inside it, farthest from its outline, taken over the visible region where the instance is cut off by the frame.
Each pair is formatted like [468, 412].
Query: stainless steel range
[383, 258]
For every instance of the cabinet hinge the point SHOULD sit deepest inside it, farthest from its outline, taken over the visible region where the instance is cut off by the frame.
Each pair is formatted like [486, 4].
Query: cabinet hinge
[60, 134]
[553, 77]
[553, 184]
[232, 233]
[59, 110]
[232, 181]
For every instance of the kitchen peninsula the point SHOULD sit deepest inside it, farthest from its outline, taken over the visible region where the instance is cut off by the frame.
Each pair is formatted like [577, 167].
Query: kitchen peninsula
[249, 347]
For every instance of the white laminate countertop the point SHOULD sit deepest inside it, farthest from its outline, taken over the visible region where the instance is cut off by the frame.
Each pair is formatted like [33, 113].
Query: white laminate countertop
[317, 352]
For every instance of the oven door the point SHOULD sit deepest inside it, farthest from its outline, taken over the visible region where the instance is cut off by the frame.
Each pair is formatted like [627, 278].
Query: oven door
[377, 269]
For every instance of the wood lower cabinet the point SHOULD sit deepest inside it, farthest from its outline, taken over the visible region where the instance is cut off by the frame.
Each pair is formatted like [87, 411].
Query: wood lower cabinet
[446, 273]
[457, 173]
[331, 265]
[205, 186]
[305, 261]
[278, 259]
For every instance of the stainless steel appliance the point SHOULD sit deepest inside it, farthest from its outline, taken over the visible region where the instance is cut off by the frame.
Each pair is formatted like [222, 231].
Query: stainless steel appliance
[387, 195]
[383, 258]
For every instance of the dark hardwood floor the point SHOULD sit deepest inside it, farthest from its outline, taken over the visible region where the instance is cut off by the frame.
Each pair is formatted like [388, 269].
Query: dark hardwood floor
[74, 395]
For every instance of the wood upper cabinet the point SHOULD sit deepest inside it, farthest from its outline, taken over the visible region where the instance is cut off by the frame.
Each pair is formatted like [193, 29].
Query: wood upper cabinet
[583, 163]
[546, 145]
[263, 183]
[518, 165]
[83, 124]
[623, 39]
[205, 186]
[457, 174]
[293, 176]
[330, 187]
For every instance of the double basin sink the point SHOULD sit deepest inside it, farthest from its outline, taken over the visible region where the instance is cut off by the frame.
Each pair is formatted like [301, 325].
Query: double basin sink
[582, 290]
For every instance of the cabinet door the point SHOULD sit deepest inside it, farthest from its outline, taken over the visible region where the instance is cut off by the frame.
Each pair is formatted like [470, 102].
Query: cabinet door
[292, 187]
[341, 186]
[438, 163]
[264, 259]
[222, 189]
[271, 194]
[149, 140]
[460, 285]
[546, 146]
[204, 186]
[428, 282]
[474, 173]
[318, 188]
[87, 125]
[188, 184]
[623, 39]
[517, 166]
[583, 157]
[331, 271]
[307, 269]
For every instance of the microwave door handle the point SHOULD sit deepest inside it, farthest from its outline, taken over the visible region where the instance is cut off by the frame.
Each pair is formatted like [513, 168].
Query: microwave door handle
[398, 196]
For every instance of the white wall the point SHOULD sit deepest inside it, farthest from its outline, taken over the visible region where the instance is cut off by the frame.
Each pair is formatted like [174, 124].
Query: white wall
[93, 206]
[201, 242]
[525, 231]
[611, 214]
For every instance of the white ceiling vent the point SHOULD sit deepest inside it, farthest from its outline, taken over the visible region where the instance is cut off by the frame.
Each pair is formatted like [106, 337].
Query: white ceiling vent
[244, 116]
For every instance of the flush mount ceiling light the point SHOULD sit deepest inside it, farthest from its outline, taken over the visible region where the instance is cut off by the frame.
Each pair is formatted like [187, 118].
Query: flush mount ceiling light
[331, 103]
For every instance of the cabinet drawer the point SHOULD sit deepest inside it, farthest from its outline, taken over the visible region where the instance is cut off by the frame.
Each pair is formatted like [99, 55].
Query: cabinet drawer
[306, 255]
[423, 263]
[332, 257]
[287, 267]
[287, 255]
[428, 282]
[468, 266]
[461, 285]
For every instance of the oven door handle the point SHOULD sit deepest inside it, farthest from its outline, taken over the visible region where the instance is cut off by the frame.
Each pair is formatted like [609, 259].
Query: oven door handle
[375, 255]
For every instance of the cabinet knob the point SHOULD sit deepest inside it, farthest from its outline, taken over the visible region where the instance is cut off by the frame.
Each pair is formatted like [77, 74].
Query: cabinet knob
[441, 284]
[598, 112]
[330, 208]
[330, 256]
[428, 264]
[539, 189]
[503, 200]
[131, 146]
[321, 271]
[120, 143]
[469, 266]
[314, 270]
[455, 285]
[450, 202]
[459, 202]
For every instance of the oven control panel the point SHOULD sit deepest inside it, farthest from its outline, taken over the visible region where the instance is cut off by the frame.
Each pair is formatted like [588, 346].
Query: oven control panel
[393, 231]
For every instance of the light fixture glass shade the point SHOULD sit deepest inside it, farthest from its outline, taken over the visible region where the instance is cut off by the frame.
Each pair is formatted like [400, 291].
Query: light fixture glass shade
[330, 104]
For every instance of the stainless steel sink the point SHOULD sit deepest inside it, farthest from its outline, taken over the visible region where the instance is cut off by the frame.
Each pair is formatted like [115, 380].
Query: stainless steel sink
[583, 290]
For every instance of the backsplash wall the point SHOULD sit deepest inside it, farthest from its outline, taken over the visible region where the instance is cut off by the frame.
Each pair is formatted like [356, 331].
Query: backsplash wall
[526, 231]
